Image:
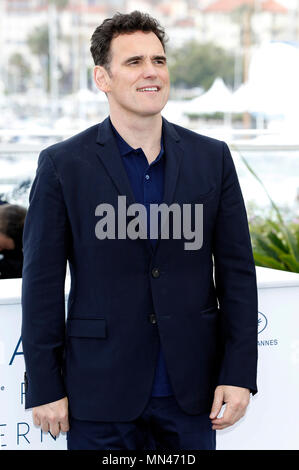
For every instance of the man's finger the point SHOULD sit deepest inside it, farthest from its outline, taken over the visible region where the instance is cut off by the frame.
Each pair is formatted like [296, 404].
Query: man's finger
[218, 428]
[55, 429]
[36, 420]
[217, 403]
[64, 425]
[226, 419]
[64, 422]
[230, 416]
[45, 425]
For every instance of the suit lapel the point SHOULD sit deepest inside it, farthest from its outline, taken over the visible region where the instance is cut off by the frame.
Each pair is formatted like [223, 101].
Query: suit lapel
[108, 154]
[173, 157]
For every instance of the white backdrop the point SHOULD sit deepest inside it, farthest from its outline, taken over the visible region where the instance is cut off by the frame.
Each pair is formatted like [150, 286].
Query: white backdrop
[272, 418]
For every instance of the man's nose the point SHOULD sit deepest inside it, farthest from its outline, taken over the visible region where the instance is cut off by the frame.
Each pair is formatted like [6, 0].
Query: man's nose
[149, 69]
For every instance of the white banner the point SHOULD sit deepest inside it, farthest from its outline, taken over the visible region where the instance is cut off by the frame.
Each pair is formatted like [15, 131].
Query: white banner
[272, 418]
[17, 430]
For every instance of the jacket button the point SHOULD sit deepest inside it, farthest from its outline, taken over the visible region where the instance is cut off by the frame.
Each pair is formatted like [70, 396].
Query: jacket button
[155, 272]
[152, 318]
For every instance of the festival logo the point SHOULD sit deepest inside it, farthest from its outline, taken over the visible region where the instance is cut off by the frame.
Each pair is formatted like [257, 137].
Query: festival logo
[262, 322]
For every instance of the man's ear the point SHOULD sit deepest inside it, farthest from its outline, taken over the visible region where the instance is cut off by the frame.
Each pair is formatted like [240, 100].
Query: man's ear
[100, 77]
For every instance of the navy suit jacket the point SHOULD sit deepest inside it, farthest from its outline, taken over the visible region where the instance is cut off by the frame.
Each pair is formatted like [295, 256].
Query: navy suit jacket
[103, 357]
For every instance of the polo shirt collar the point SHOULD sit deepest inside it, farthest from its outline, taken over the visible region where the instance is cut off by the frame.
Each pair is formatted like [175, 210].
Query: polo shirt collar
[124, 147]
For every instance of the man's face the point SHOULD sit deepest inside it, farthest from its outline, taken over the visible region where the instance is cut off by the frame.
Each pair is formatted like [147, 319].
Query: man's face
[138, 61]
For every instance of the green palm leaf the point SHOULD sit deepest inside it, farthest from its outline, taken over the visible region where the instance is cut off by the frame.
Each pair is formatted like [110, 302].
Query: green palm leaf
[291, 263]
[267, 261]
[277, 244]
[291, 247]
[265, 247]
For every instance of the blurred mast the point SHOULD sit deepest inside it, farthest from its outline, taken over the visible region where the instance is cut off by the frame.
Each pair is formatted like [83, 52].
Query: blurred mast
[52, 22]
[2, 42]
[83, 43]
[79, 65]
[75, 45]
[247, 43]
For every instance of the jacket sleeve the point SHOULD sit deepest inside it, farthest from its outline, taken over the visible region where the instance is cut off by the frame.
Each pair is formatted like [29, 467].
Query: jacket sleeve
[235, 281]
[43, 302]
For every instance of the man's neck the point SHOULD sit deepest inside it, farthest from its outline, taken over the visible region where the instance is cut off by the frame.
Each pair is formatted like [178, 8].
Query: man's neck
[144, 132]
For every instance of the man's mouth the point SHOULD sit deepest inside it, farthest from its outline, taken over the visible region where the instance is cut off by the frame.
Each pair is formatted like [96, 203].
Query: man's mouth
[149, 89]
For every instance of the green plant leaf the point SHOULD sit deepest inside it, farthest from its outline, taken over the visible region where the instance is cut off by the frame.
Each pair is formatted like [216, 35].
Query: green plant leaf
[277, 244]
[292, 243]
[274, 225]
[266, 248]
[262, 184]
[292, 264]
[267, 261]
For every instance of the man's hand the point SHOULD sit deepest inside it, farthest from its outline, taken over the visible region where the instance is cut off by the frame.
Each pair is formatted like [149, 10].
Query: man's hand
[52, 417]
[236, 399]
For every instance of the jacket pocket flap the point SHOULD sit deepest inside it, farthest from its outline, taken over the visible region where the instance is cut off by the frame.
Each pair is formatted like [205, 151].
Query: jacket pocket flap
[209, 310]
[86, 328]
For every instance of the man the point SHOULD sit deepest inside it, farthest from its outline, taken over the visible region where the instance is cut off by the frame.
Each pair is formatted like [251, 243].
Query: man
[12, 217]
[153, 345]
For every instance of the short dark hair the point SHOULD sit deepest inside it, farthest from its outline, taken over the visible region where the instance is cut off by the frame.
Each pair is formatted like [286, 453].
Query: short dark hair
[121, 23]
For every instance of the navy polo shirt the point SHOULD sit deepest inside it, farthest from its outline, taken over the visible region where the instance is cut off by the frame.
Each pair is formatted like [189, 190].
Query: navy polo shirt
[147, 182]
